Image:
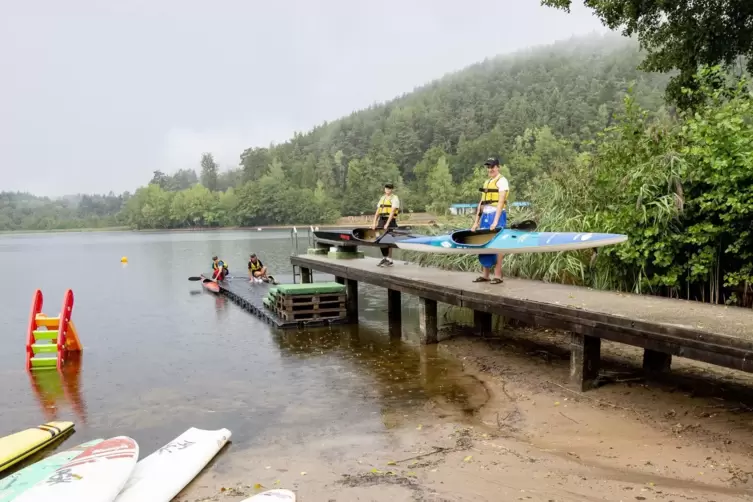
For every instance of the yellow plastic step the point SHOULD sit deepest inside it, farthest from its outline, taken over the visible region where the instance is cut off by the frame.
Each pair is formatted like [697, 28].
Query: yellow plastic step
[49, 334]
[44, 362]
[47, 322]
[44, 348]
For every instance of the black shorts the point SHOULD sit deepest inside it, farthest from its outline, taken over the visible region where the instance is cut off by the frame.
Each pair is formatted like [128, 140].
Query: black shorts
[383, 220]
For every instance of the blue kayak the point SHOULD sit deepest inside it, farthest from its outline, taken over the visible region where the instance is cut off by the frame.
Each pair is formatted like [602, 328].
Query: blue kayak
[506, 241]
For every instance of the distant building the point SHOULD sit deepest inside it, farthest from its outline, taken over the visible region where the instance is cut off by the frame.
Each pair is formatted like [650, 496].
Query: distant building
[460, 209]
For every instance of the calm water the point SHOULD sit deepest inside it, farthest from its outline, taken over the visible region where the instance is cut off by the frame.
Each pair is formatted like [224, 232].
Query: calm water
[160, 355]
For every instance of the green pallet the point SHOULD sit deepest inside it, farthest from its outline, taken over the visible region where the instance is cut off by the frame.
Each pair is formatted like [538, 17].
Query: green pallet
[314, 288]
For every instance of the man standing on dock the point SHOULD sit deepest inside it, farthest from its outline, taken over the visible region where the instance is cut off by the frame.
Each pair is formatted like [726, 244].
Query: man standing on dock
[492, 213]
[386, 218]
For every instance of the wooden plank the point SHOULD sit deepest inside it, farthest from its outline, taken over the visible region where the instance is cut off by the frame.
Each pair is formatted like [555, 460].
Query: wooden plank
[427, 319]
[308, 299]
[352, 301]
[394, 311]
[585, 359]
[338, 308]
[482, 322]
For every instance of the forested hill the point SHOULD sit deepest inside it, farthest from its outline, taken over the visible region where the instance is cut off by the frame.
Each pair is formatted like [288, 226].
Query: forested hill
[569, 90]
[572, 87]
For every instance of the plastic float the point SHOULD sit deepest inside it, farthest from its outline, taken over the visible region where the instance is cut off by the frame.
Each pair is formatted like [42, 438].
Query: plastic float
[50, 335]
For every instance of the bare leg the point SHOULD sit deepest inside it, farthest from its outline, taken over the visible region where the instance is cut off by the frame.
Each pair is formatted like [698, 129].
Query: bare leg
[498, 267]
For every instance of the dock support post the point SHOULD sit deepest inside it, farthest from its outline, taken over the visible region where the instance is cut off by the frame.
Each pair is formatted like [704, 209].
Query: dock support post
[352, 302]
[394, 313]
[305, 275]
[427, 319]
[482, 322]
[585, 359]
[656, 362]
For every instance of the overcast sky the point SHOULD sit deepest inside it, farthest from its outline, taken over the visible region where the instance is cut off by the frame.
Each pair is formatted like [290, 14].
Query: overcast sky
[95, 95]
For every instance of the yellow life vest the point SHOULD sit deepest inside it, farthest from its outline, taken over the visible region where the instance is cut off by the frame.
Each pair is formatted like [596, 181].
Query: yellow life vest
[385, 206]
[215, 266]
[253, 267]
[490, 191]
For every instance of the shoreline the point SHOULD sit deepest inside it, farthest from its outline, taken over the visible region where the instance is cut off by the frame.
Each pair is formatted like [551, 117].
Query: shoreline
[195, 229]
[530, 438]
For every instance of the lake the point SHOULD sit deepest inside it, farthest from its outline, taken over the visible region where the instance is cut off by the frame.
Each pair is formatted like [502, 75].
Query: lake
[160, 355]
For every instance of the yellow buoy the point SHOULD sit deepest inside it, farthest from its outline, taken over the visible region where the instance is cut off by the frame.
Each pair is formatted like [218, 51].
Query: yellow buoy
[124, 259]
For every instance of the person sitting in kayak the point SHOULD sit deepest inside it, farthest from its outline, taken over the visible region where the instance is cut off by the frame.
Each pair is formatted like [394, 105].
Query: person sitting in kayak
[491, 212]
[219, 269]
[257, 271]
[386, 218]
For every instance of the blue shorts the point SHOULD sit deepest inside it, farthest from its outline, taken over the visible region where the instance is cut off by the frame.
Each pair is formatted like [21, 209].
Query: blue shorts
[488, 218]
[485, 222]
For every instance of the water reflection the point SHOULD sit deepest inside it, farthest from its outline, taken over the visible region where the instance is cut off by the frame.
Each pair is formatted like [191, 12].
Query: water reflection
[398, 376]
[54, 388]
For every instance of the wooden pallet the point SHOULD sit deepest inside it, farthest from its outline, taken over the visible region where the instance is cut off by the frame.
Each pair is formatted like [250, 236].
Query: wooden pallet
[290, 300]
[309, 315]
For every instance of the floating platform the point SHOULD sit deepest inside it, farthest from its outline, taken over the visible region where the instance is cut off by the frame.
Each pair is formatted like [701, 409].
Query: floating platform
[289, 305]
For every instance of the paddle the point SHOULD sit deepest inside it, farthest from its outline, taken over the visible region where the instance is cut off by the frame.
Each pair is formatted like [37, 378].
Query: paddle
[194, 278]
[391, 231]
[526, 225]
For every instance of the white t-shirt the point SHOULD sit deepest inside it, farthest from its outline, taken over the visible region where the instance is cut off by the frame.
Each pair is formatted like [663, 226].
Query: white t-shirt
[502, 186]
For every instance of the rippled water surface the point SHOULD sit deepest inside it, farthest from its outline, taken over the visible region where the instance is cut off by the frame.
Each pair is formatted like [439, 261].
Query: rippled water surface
[160, 355]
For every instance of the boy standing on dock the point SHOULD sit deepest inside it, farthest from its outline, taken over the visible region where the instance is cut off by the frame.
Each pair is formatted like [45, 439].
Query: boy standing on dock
[492, 213]
[386, 218]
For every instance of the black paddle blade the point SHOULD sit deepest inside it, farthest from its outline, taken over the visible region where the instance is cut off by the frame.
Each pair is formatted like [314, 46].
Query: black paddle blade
[526, 225]
[195, 278]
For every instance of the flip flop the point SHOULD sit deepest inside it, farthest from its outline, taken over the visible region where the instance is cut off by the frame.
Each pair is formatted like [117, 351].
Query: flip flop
[480, 279]
[496, 280]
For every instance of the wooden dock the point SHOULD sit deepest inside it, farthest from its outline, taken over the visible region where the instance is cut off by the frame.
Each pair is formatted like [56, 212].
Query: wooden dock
[250, 297]
[663, 327]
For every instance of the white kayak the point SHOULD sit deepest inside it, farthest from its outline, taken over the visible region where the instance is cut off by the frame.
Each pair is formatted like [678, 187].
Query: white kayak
[163, 474]
[96, 475]
[272, 496]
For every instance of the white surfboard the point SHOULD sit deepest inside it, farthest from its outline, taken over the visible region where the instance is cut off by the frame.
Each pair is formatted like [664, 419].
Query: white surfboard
[96, 475]
[14, 485]
[163, 474]
[272, 496]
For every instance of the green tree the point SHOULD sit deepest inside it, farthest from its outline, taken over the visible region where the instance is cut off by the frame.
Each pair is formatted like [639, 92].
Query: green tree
[440, 187]
[209, 172]
[680, 34]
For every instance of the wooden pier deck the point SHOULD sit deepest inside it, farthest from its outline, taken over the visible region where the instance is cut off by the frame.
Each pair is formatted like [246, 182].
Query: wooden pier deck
[663, 327]
[250, 297]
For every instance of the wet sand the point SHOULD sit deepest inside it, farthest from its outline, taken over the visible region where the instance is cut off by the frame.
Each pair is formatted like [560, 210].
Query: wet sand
[526, 437]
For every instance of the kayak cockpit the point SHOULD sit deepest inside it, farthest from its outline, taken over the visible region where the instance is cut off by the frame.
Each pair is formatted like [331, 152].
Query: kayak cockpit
[478, 238]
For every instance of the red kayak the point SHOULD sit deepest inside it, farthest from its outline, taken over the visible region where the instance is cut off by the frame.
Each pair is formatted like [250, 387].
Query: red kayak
[210, 285]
